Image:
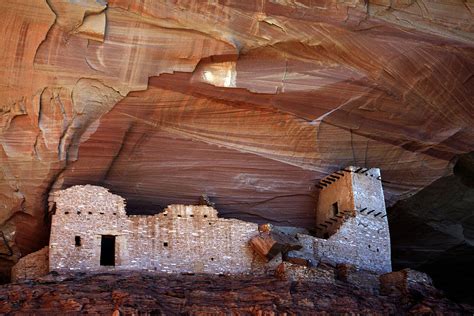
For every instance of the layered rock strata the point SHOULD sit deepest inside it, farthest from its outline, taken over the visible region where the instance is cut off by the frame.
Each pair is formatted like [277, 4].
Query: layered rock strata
[248, 102]
[142, 293]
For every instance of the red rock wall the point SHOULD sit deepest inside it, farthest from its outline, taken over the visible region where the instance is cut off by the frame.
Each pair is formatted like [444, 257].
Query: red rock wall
[250, 102]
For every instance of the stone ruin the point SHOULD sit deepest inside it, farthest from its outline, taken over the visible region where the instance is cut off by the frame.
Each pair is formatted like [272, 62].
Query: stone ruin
[91, 231]
[352, 220]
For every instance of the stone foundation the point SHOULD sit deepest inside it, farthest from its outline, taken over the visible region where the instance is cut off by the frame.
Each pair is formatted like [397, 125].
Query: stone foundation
[296, 272]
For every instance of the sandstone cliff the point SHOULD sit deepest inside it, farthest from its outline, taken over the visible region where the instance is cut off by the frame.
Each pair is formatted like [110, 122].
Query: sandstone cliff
[249, 102]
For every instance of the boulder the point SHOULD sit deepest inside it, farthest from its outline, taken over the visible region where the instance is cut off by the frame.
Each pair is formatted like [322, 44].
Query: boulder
[269, 243]
[32, 266]
[406, 282]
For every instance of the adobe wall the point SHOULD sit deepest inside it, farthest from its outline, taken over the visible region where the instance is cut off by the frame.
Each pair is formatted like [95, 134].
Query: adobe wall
[181, 239]
[87, 212]
[334, 188]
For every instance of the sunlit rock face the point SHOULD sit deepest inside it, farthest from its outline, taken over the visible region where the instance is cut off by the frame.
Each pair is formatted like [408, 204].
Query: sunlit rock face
[248, 102]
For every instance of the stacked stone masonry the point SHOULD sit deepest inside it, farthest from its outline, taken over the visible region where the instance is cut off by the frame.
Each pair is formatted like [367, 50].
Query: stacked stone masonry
[351, 216]
[182, 239]
[351, 223]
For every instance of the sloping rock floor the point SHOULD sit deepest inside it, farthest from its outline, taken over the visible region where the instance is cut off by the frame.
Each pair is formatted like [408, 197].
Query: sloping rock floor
[151, 294]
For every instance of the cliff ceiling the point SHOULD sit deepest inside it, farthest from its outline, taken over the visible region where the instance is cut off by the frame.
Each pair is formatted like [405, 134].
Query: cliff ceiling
[249, 102]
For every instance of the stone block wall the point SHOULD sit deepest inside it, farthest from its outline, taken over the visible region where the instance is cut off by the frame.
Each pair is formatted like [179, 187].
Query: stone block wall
[360, 241]
[86, 212]
[186, 239]
[359, 234]
[368, 192]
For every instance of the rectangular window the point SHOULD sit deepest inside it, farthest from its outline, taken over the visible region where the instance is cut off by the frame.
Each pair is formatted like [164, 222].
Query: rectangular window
[335, 209]
[107, 250]
[77, 240]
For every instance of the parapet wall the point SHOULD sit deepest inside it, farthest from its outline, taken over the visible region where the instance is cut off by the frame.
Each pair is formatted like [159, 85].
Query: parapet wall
[186, 239]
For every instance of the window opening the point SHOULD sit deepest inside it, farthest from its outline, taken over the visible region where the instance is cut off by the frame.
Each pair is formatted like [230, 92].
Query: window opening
[77, 241]
[335, 209]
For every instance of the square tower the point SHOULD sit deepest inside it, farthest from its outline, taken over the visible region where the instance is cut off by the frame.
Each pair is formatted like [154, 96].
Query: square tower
[352, 219]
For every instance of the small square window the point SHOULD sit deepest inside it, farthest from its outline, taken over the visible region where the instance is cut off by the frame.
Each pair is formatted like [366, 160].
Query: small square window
[165, 244]
[77, 240]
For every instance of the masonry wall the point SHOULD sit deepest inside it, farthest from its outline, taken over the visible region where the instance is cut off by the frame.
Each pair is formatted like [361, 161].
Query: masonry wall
[360, 237]
[360, 241]
[368, 192]
[87, 212]
[181, 239]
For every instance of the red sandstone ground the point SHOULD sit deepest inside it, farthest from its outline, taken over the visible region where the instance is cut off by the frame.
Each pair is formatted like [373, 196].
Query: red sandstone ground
[140, 293]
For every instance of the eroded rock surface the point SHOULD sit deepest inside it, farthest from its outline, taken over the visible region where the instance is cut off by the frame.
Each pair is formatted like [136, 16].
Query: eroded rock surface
[250, 103]
[133, 293]
[34, 265]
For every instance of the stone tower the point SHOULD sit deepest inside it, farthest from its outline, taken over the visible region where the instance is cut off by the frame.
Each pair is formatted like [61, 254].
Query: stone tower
[352, 219]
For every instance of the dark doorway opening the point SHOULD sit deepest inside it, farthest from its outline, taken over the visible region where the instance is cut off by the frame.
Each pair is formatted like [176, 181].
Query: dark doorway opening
[77, 240]
[107, 250]
[335, 209]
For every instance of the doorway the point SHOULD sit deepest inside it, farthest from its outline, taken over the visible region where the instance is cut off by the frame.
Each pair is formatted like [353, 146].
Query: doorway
[107, 250]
